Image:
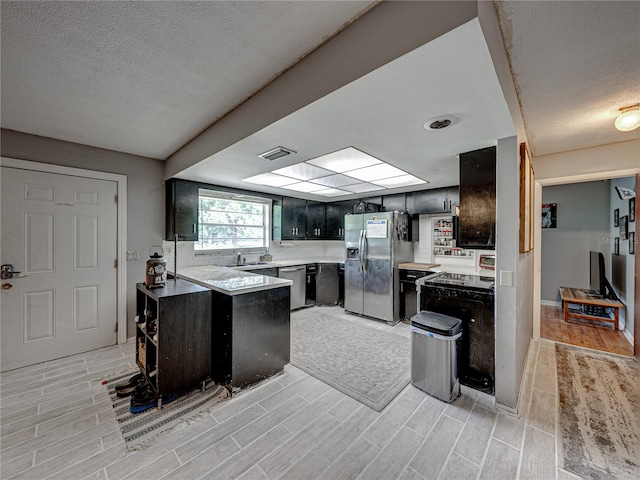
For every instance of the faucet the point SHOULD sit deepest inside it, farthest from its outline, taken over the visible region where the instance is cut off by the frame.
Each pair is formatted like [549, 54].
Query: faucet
[238, 258]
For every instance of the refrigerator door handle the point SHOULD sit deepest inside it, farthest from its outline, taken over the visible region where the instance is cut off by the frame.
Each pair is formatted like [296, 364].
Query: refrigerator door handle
[360, 250]
[365, 252]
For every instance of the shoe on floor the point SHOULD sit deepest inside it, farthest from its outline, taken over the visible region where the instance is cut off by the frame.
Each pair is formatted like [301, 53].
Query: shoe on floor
[139, 407]
[143, 394]
[126, 389]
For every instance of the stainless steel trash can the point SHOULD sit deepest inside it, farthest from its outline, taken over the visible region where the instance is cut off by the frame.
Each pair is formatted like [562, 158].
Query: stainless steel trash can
[434, 345]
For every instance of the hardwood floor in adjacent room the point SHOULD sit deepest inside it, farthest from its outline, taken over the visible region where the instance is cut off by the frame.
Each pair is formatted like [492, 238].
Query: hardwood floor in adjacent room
[598, 337]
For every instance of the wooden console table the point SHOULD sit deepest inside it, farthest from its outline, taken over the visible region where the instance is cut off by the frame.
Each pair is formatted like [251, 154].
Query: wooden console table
[580, 296]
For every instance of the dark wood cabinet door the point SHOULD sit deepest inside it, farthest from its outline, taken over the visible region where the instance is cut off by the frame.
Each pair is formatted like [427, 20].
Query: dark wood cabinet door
[477, 212]
[395, 202]
[294, 218]
[181, 198]
[437, 200]
[316, 220]
[334, 221]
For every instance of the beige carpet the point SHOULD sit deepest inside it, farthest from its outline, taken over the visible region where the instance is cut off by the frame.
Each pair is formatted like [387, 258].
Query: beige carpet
[366, 363]
[599, 401]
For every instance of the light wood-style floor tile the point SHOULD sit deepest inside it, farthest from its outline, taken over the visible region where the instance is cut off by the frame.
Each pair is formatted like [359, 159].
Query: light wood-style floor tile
[539, 455]
[501, 461]
[56, 421]
[433, 453]
[459, 468]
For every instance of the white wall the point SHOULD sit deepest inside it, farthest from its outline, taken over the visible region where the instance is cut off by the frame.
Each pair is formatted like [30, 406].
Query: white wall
[145, 191]
[597, 163]
[627, 260]
[302, 250]
[515, 309]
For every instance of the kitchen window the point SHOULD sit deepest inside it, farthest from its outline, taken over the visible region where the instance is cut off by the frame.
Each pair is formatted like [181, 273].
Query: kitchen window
[232, 222]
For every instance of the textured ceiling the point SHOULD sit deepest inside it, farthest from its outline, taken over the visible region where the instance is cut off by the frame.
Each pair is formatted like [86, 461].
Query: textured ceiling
[383, 114]
[575, 63]
[146, 77]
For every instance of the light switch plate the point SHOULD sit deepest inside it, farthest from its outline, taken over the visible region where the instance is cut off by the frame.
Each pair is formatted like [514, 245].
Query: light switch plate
[132, 255]
[506, 278]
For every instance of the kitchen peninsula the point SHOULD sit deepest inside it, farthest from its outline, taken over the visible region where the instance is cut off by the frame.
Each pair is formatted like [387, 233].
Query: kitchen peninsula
[250, 328]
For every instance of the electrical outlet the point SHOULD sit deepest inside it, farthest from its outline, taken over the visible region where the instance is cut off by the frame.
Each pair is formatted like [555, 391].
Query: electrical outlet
[132, 255]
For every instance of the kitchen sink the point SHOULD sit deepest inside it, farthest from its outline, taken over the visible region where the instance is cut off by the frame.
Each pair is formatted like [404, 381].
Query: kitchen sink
[247, 264]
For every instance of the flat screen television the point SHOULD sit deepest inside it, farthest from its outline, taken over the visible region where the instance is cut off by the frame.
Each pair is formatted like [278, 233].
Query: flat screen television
[597, 278]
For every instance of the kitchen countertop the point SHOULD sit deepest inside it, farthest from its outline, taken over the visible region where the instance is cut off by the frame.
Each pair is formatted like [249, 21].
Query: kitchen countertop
[231, 281]
[280, 263]
[418, 266]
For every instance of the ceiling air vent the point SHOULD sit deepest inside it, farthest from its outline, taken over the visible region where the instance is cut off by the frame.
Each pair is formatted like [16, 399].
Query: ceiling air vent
[276, 153]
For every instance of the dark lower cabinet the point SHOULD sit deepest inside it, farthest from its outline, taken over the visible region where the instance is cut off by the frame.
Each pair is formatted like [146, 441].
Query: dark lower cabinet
[477, 213]
[476, 356]
[173, 331]
[250, 337]
[327, 284]
[408, 297]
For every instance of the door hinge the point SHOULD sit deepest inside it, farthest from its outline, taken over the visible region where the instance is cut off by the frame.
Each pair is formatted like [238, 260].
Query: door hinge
[115, 263]
[116, 198]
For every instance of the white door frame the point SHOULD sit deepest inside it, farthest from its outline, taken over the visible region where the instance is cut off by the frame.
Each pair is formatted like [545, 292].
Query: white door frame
[121, 181]
[537, 206]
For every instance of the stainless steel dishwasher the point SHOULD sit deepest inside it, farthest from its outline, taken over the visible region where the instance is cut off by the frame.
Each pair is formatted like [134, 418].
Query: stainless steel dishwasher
[298, 275]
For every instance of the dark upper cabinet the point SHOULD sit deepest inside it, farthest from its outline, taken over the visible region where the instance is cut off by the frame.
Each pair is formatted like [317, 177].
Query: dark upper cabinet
[477, 215]
[316, 220]
[181, 198]
[397, 202]
[334, 221]
[294, 218]
[437, 200]
[335, 213]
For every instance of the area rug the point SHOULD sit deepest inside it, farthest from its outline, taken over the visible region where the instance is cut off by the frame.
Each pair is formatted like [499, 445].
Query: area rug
[140, 430]
[366, 363]
[599, 421]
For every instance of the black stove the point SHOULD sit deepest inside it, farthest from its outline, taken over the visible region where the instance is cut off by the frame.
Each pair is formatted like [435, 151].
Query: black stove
[468, 282]
[471, 299]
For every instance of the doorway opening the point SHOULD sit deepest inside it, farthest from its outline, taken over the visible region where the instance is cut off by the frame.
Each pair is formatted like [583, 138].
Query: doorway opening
[580, 219]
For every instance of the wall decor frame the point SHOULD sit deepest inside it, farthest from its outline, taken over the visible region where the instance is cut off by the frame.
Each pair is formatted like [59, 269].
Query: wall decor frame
[632, 210]
[616, 217]
[549, 215]
[632, 243]
[616, 246]
[527, 178]
[624, 227]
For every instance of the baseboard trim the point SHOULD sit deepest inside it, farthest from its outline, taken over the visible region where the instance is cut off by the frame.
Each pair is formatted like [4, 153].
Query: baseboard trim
[550, 303]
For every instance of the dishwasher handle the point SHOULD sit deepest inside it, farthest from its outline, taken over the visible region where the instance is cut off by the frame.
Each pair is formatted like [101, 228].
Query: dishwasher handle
[293, 269]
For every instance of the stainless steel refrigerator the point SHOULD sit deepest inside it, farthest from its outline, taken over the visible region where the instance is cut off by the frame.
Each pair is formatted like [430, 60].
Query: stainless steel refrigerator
[375, 243]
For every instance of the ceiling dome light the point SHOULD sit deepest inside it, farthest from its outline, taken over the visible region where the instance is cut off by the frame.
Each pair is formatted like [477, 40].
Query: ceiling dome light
[629, 118]
[443, 121]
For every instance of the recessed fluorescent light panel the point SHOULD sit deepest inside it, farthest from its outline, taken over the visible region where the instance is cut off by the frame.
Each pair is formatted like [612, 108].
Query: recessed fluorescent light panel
[345, 172]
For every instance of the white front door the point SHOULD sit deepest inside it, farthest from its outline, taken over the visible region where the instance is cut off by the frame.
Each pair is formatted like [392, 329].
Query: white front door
[60, 232]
